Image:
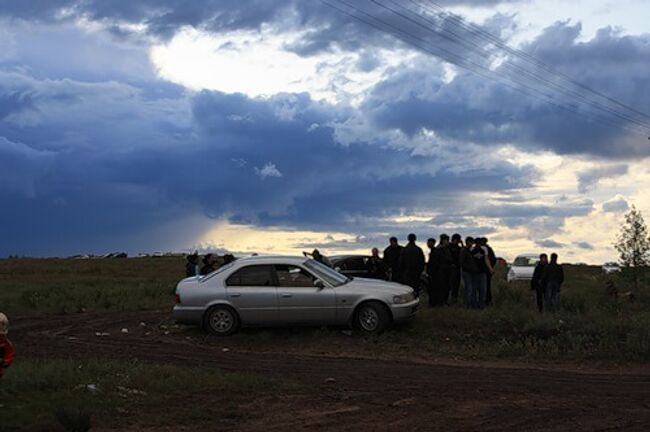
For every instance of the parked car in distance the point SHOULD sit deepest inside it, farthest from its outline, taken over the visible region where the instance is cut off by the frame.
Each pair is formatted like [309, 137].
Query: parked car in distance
[611, 267]
[351, 265]
[281, 291]
[522, 267]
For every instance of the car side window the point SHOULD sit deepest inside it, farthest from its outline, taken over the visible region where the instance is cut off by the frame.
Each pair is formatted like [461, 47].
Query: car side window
[293, 276]
[355, 264]
[252, 276]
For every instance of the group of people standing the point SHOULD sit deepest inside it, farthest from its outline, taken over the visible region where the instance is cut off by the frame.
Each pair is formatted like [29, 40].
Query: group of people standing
[450, 260]
[547, 280]
[195, 266]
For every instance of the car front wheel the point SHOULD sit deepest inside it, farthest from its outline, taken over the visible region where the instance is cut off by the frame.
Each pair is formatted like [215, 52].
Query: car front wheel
[221, 320]
[372, 317]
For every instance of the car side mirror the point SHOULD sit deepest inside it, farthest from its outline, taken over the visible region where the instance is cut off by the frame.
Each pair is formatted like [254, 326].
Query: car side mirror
[319, 284]
[338, 269]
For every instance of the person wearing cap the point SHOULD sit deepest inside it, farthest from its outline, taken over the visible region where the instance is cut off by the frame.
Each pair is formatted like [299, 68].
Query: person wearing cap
[7, 350]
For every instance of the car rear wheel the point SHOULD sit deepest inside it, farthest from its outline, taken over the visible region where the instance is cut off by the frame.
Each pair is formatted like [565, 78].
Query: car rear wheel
[372, 317]
[221, 320]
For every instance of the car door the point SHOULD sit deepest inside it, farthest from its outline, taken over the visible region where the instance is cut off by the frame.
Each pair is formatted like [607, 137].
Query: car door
[252, 291]
[299, 301]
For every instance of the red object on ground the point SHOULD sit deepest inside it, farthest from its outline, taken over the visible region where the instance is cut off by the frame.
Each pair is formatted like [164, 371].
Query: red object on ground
[7, 354]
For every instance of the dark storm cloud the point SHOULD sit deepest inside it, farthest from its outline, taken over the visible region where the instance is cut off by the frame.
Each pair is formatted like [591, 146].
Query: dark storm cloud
[590, 178]
[550, 244]
[99, 164]
[585, 245]
[616, 205]
[474, 108]
[329, 27]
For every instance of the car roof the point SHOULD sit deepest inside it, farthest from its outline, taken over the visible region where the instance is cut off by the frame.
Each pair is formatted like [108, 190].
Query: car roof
[272, 259]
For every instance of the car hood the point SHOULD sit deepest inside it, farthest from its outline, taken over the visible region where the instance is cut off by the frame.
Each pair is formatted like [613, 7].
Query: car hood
[376, 285]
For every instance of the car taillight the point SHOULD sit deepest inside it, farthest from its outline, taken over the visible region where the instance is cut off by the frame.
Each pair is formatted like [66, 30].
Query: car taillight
[178, 298]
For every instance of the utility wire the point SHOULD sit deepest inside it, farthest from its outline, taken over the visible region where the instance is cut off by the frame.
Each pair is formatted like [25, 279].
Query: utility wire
[459, 61]
[481, 33]
[455, 38]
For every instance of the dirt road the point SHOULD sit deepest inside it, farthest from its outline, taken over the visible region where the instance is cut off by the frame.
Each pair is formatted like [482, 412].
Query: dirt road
[346, 391]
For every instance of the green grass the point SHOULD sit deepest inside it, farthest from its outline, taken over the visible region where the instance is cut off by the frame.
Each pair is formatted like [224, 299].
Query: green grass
[35, 392]
[591, 326]
[53, 286]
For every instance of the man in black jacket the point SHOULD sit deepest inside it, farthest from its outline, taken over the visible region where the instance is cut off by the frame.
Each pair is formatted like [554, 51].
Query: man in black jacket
[493, 261]
[536, 282]
[443, 276]
[391, 260]
[411, 263]
[470, 273]
[376, 266]
[454, 278]
[192, 267]
[552, 280]
[432, 270]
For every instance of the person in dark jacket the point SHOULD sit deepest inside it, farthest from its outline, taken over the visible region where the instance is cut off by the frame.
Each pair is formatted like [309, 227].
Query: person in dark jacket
[443, 275]
[317, 256]
[493, 261]
[480, 254]
[411, 263]
[454, 278]
[552, 280]
[536, 281]
[391, 260]
[192, 266]
[432, 270]
[469, 270]
[209, 264]
[375, 265]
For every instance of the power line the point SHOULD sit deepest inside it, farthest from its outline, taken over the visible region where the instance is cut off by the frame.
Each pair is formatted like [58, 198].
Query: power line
[529, 75]
[454, 58]
[501, 44]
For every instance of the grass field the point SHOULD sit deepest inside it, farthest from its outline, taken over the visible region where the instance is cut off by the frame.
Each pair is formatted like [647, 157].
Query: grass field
[70, 394]
[592, 324]
[60, 394]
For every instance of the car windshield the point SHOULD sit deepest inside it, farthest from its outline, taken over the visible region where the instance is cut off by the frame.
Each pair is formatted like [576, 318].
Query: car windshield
[525, 261]
[327, 274]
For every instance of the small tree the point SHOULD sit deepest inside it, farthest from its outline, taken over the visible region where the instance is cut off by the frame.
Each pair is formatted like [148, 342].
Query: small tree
[633, 244]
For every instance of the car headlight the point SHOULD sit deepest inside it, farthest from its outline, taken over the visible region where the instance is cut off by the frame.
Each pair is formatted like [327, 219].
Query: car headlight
[404, 298]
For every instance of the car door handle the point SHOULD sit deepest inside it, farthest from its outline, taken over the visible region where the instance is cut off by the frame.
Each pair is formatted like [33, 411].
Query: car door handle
[235, 295]
[287, 295]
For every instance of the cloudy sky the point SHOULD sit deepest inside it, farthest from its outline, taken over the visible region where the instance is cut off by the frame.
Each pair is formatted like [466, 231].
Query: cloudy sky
[277, 126]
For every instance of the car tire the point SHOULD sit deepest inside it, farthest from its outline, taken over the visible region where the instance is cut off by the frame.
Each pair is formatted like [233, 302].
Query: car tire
[372, 318]
[221, 321]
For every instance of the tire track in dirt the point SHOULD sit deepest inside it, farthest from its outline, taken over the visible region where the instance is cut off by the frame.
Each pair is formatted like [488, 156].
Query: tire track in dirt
[365, 393]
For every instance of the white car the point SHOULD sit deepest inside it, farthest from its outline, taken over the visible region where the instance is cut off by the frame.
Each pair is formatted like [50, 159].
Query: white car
[611, 267]
[523, 267]
[271, 291]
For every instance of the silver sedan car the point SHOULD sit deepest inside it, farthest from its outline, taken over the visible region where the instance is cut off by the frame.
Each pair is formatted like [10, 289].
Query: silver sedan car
[279, 291]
